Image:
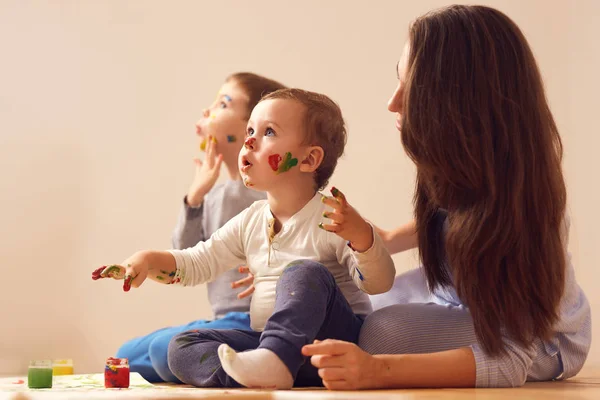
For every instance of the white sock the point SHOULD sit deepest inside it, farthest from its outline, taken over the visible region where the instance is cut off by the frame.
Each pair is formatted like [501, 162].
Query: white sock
[260, 368]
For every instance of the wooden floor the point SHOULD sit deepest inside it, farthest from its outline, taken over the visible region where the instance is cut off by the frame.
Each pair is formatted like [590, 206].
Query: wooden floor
[583, 387]
[586, 386]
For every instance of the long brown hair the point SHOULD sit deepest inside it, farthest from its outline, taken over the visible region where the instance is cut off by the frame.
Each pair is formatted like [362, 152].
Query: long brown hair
[487, 150]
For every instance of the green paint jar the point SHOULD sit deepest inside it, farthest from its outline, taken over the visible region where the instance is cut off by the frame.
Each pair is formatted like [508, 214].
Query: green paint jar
[39, 375]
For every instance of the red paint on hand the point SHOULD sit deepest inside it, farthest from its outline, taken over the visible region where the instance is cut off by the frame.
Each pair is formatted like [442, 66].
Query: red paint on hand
[97, 274]
[274, 160]
[127, 283]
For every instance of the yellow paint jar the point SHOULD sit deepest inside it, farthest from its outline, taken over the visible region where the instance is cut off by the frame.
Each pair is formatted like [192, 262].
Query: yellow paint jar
[62, 367]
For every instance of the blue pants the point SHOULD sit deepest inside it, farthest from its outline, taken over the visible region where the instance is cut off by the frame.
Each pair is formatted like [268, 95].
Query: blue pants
[148, 354]
[308, 305]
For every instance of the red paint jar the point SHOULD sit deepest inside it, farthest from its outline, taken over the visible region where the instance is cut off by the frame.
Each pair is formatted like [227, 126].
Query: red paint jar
[116, 373]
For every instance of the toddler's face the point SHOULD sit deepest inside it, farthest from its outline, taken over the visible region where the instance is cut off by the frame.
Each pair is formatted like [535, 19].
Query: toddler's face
[274, 146]
[225, 119]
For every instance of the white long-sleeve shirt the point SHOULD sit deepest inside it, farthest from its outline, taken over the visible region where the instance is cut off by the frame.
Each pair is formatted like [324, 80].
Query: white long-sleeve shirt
[245, 240]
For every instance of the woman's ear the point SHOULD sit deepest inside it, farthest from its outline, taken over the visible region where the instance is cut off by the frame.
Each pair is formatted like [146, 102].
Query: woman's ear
[313, 159]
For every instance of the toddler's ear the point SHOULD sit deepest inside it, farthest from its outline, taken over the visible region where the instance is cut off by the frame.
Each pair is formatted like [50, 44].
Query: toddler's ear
[313, 159]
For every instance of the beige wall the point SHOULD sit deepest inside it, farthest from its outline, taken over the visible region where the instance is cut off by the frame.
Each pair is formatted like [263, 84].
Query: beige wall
[97, 105]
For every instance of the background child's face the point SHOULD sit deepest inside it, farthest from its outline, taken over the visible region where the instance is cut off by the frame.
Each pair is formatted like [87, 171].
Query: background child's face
[273, 148]
[225, 119]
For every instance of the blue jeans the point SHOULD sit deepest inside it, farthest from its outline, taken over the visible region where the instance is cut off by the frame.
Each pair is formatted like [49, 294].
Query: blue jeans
[308, 305]
[148, 354]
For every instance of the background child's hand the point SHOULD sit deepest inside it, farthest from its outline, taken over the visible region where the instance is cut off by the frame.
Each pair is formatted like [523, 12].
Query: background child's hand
[207, 173]
[134, 271]
[247, 281]
[347, 222]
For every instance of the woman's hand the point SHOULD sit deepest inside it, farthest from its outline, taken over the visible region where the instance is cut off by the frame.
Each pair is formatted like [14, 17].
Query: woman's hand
[343, 365]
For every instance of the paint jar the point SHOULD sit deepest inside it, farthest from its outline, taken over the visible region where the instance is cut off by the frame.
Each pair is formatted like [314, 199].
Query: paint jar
[39, 375]
[116, 373]
[62, 367]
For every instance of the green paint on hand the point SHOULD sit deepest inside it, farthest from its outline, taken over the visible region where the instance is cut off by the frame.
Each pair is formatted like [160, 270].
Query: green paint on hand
[321, 225]
[114, 271]
[169, 274]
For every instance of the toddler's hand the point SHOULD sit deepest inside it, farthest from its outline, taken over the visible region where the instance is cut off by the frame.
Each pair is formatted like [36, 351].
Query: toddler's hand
[207, 173]
[347, 222]
[134, 271]
[247, 281]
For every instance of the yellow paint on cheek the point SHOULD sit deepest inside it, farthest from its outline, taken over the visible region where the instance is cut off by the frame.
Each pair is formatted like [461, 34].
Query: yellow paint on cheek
[211, 119]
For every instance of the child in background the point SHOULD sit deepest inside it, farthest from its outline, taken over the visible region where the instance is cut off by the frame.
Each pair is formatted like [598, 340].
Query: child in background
[309, 284]
[206, 208]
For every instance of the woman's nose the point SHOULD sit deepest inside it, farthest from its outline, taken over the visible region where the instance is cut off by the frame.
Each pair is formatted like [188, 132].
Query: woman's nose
[395, 102]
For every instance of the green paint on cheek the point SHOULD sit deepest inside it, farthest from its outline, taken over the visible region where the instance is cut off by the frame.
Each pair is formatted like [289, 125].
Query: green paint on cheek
[288, 162]
[281, 165]
[160, 278]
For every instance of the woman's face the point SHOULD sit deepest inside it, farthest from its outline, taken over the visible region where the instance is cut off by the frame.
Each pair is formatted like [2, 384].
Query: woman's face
[395, 104]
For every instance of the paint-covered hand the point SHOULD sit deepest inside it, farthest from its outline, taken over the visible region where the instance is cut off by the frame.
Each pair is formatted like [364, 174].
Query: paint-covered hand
[207, 172]
[347, 222]
[247, 281]
[109, 271]
[133, 271]
[343, 365]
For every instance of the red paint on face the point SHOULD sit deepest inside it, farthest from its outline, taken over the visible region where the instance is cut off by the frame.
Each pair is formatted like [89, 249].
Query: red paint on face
[249, 142]
[274, 160]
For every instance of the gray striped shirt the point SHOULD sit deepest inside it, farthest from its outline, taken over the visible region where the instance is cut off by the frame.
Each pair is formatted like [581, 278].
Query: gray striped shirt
[222, 203]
